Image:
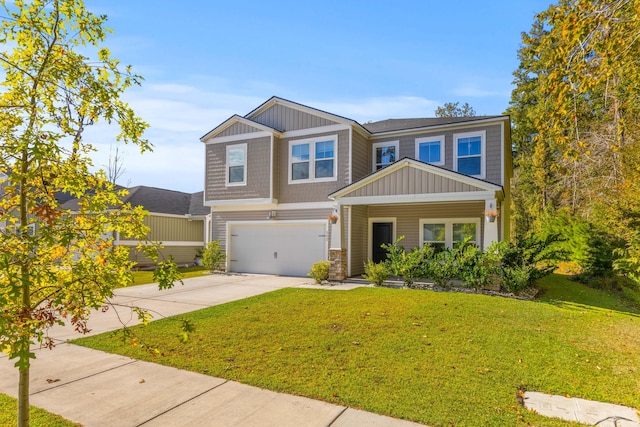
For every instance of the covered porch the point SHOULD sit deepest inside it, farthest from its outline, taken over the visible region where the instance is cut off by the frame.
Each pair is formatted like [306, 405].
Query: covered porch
[423, 203]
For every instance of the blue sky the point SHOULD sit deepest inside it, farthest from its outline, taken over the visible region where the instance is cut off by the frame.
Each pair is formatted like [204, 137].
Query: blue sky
[367, 60]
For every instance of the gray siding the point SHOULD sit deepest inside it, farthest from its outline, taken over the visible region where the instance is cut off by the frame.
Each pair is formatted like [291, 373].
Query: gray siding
[361, 156]
[286, 119]
[409, 180]
[358, 239]
[258, 171]
[238, 129]
[407, 148]
[314, 191]
[219, 219]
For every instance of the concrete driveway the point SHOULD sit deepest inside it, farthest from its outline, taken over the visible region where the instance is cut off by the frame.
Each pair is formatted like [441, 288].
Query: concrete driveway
[101, 389]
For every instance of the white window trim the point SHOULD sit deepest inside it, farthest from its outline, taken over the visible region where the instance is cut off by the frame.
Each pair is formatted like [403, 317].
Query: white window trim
[440, 139]
[228, 165]
[312, 159]
[448, 228]
[377, 145]
[483, 150]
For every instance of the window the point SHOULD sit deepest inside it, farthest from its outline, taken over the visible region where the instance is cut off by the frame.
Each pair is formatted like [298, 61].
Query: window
[312, 159]
[443, 233]
[384, 153]
[430, 150]
[469, 153]
[434, 234]
[237, 164]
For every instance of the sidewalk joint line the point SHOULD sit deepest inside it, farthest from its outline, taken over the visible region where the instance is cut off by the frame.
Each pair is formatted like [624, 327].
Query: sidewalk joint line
[182, 403]
[85, 377]
[337, 416]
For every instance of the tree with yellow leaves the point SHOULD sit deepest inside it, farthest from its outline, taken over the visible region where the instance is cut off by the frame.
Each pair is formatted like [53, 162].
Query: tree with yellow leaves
[55, 267]
[576, 115]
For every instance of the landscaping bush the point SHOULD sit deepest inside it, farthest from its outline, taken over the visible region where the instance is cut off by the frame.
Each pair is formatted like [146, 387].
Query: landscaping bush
[409, 266]
[319, 271]
[213, 256]
[525, 261]
[375, 273]
[477, 268]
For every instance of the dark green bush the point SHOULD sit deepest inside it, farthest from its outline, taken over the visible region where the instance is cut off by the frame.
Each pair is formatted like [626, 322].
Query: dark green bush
[589, 245]
[409, 266]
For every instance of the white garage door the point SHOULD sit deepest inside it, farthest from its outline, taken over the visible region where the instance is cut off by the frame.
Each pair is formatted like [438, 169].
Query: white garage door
[288, 249]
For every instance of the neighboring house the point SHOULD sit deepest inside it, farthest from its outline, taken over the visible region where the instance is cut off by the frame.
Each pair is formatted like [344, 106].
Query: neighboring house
[177, 220]
[273, 177]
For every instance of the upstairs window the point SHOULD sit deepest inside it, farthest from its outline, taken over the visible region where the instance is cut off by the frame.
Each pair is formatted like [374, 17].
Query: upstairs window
[384, 153]
[469, 153]
[312, 159]
[237, 164]
[430, 150]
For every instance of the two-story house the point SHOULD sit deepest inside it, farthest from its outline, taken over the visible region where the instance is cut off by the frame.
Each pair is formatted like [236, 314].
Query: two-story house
[273, 176]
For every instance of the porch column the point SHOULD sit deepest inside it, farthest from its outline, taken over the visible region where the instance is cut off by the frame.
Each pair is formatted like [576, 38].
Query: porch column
[490, 226]
[337, 255]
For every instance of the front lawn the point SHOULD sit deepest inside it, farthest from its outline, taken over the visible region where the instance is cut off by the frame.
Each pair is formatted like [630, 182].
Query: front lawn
[38, 417]
[436, 358]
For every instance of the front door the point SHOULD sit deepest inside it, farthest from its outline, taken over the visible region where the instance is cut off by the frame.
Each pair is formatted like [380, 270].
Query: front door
[382, 233]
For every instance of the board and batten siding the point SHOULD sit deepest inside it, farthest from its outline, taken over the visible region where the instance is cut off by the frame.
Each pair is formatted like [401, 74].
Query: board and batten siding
[237, 129]
[408, 217]
[287, 119]
[173, 229]
[409, 180]
[407, 148]
[220, 219]
[258, 171]
[313, 191]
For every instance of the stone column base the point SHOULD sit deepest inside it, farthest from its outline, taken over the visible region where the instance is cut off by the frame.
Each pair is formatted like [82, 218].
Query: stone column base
[337, 264]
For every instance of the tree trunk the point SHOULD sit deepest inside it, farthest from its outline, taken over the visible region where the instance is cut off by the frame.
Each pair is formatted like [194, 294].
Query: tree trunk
[23, 398]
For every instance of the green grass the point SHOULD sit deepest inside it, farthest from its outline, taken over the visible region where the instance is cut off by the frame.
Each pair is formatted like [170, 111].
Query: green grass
[436, 358]
[38, 417]
[145, 277]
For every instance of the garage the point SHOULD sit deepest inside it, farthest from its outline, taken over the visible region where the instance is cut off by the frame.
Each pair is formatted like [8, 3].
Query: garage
[282, 248]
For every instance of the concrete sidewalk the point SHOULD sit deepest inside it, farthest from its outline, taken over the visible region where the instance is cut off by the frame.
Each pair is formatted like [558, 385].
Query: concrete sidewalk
[101, 389]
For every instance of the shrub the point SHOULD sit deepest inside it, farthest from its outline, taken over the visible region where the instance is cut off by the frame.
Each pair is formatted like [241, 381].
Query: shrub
[213, 257]
[375, 273]
[409, 266]
[525, 261]
[319, 271]
[477, 267]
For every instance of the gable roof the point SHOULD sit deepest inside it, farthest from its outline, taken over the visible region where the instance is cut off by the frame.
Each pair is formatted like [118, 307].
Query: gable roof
[233, 120]
[412, 180]
[275, 100]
